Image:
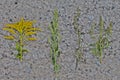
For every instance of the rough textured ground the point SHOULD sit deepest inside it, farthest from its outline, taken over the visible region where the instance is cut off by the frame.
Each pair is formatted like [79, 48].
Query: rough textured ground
[37, 64]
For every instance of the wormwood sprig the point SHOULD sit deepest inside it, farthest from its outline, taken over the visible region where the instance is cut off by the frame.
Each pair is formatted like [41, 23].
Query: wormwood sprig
[54, 40]
[77, 28]
[21, 32]
[103, 38]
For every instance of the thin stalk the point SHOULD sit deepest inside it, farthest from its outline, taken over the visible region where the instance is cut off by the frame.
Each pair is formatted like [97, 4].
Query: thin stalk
[79, 49]
[101, 53]
[100, 58]
[21, 47]
[101, 23]
[79, 39]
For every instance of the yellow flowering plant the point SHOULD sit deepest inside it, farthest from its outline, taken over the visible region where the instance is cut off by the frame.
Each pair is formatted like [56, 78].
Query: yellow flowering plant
[21, 32]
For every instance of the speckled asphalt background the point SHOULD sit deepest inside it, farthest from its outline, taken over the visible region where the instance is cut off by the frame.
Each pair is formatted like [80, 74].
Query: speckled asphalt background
[36, 64]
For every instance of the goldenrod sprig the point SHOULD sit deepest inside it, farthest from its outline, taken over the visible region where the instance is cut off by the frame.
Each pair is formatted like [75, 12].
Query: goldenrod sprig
[21, 32]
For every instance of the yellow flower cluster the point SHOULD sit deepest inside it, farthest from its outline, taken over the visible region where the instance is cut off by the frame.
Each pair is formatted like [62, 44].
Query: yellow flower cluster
[22, 28]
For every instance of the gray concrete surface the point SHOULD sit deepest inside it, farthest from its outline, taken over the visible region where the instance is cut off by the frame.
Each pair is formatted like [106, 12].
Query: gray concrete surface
[37, 64]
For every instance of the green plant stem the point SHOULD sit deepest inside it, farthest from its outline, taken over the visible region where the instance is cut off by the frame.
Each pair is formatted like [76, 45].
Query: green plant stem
[78, 50]
[79, 40]
[21, 47]
[101, 23]
[101, 59]
[55, 65]
[21, 53]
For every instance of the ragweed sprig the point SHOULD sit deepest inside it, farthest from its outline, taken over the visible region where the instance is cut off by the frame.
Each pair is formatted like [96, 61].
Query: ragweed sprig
[54, 40]
[102, 41]
[78, 29]
[21, 32]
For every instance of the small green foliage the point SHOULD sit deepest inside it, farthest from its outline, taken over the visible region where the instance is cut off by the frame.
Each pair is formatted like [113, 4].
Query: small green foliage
[21, 32]
[77, 28]
[102, 41]
[54, 40]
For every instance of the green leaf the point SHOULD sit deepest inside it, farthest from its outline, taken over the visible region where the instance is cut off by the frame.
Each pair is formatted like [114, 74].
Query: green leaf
[24, 50]
[53, 60]
[9, 37]
[57, 68]
[94, 51]
[109, 29]
[101, 23]
[106, 42]
[92, 45]
[19, 56]
[17, 46]
[91, 32]
[58, 53]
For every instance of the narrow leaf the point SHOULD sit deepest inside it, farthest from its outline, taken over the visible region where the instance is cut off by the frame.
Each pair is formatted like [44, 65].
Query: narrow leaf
[24, 50]
[9, 30]
[9, 37]
[32, 39]
[29, 33]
